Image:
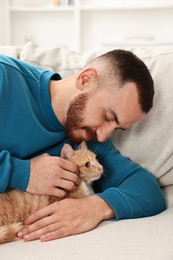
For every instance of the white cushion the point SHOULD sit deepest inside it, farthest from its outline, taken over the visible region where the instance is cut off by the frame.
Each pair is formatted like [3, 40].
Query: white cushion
[149, 142]
[57, 59]
[134, 239]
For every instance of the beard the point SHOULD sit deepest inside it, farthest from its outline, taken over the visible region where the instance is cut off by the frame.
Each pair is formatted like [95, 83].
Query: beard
[75, 118]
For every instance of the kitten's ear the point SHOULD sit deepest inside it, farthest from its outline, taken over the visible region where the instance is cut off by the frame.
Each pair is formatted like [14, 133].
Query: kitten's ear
[82, 145]
[66, 151]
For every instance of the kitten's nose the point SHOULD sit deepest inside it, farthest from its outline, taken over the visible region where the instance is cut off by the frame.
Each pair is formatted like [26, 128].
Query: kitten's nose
[100, 167]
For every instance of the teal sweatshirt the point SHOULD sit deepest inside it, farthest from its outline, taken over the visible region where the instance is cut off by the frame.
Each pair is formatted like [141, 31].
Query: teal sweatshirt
[29, 127]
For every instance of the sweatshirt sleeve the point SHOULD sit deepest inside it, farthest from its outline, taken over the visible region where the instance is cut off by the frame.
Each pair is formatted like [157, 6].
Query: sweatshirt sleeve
[14, 172]
[130, 190]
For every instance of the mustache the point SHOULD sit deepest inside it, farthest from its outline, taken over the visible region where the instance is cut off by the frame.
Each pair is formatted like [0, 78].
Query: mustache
[90, 132]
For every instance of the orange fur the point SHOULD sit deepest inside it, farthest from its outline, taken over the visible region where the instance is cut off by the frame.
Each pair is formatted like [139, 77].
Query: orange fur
[16, 205]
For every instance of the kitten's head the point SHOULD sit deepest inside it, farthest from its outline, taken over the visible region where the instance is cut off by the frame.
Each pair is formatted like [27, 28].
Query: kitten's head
[89, 167]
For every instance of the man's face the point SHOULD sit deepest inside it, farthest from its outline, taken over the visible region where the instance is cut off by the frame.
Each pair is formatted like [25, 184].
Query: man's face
[95, 116]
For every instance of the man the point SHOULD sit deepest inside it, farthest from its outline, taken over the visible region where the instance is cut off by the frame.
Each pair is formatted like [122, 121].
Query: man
[39, 112]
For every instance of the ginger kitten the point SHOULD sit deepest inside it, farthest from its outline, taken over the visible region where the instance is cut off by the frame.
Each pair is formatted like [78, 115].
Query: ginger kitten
[16, 205]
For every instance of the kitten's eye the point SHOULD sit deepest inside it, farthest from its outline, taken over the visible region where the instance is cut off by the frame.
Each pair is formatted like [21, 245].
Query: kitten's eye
[87, 164]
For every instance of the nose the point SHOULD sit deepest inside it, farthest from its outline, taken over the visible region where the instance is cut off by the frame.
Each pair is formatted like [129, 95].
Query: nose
[104, 131]
[100, 167]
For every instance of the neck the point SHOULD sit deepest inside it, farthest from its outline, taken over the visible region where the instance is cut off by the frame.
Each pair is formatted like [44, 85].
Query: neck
[61, 93]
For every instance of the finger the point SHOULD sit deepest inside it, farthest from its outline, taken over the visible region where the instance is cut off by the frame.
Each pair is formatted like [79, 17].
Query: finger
[40, 228]
[58, 233]
[42, 213]
[36, 226]
[69, 166]
[58, 192]
[73, 177]
[66, 185]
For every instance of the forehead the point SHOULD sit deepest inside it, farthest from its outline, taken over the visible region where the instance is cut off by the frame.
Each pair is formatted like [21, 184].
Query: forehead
[124, 105]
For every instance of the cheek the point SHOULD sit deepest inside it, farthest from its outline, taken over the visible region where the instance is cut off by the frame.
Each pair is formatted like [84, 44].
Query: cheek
[93, 112]
[84, 169]
[93, 116]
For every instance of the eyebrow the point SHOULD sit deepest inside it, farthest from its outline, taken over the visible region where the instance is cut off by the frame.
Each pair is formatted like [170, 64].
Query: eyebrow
[115, 116]
[116, 119]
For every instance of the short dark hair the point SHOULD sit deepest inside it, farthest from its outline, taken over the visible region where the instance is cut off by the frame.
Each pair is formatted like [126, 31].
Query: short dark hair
[129, 68]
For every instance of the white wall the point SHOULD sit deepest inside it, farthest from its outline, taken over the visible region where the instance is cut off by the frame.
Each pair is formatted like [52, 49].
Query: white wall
[96, 24]
[4, 17]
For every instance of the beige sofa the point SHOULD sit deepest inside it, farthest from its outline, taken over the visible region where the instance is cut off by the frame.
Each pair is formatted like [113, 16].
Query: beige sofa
[149, 143]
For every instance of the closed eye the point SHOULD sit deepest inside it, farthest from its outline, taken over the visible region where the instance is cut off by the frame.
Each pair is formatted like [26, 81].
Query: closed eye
[106, 118]
[121, 128]
[112, 117]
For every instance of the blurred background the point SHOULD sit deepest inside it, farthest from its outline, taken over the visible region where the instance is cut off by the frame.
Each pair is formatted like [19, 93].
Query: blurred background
[85, 25]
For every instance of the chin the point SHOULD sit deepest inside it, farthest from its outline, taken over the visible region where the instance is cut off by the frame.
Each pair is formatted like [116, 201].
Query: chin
[76, 140]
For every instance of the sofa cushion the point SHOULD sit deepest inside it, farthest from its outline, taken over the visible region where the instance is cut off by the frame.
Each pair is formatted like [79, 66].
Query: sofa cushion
[149, 142]
[133, 239]
[57, 59]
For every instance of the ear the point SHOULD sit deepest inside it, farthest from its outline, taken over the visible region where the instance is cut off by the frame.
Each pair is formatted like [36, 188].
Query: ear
[82, 145]
[66, 151]
[85, 77]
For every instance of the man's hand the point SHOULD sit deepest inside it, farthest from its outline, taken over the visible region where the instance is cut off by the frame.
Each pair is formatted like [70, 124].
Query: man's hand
[51, 175]
[66, 217]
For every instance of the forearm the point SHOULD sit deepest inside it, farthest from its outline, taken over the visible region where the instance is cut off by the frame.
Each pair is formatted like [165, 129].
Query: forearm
[130, 190]
[139, 196]
[14, 172]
